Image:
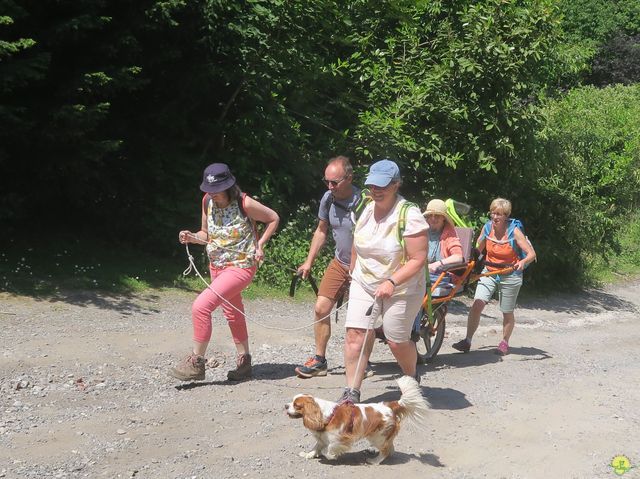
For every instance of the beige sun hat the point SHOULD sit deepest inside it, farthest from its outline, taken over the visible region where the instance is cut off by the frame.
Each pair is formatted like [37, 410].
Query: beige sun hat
[438, 207]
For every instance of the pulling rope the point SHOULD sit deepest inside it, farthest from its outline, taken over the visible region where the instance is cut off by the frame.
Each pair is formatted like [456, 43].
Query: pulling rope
[192, 267]
[263, 260]
[373, 312]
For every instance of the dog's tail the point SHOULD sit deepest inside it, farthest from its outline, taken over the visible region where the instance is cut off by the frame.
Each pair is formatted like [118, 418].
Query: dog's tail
[412, 405]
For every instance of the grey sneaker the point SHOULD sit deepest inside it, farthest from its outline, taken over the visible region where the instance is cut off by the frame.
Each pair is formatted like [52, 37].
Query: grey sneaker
[191, 368]
[349, 396]
[368, 372]
[242, 370]
[463, 345]
[313, 367]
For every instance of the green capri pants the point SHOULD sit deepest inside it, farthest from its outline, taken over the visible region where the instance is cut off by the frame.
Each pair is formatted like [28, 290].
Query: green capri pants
[508, 287]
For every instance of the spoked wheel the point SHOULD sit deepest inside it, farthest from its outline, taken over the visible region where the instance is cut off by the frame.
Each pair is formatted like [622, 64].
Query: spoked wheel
[431, 334]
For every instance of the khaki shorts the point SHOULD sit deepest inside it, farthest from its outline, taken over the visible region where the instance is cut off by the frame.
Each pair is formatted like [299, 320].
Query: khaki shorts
[508, 287]
[398, 313]
[335, 281]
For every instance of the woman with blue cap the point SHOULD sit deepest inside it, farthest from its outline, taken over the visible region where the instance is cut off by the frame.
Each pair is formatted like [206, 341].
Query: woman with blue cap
[388, 272]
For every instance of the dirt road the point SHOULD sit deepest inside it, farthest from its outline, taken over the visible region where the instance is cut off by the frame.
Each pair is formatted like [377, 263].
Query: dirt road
[84, 393]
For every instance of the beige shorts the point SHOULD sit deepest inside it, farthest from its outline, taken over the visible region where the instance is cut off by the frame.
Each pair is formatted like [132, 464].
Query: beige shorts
[397, 314]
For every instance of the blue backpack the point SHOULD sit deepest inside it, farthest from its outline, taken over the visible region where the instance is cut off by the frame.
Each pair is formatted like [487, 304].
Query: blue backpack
[511, 237]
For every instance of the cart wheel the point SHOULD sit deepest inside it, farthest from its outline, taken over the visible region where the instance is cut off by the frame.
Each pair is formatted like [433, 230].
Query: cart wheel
[432, 335]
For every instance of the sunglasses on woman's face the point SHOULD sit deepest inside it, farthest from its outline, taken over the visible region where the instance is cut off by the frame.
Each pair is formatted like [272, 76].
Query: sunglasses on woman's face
[333, 183]
[379, 188]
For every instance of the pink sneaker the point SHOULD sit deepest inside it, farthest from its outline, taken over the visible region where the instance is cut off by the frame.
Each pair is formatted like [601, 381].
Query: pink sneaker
[503, 348]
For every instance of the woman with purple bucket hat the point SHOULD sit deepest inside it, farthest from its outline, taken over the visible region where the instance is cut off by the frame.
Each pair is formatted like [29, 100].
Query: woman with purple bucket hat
[234, 250]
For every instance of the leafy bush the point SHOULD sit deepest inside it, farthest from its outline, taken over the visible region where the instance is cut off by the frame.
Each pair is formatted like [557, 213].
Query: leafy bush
[600, 34]
[627, 261]
[288, 250]
[593, 22]
[450, 85]
[588, 178]
[617, 61]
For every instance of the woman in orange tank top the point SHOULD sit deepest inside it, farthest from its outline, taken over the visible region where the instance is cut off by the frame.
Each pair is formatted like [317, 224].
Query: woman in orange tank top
[499, 250]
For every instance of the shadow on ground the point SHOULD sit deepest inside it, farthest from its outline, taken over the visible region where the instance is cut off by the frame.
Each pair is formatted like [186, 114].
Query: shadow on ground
[587, 301]
[125, 304]
[261, 371]
[482, 356]
[358, 458]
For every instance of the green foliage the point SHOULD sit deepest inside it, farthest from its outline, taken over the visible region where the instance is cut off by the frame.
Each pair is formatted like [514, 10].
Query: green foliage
[110, 109]
[114, 102]
[617, 61]
[288, 250]
[599, 35]
[626, 262]
[588, 177]
[593, 22]
[450, 86]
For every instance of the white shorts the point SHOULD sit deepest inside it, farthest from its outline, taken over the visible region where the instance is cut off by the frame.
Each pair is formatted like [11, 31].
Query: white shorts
[398, 313]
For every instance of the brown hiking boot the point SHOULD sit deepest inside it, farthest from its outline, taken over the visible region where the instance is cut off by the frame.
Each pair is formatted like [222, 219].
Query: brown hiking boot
[191, 368]
[243, 369]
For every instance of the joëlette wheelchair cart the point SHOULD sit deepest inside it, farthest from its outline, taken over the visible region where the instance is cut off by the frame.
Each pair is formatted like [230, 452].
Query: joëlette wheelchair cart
[450, 282]
[429, 328]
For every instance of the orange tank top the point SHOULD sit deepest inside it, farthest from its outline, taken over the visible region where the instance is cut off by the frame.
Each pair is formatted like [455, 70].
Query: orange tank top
[499, 251]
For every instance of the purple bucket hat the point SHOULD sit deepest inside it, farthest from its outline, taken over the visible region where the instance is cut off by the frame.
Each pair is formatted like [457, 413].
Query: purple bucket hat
[217, 177]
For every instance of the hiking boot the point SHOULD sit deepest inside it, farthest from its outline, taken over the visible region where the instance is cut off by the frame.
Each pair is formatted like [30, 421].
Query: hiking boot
[314, 366]
[191, 368]
[503, 348]
[463, 345]
[242, 370]
[349, 396]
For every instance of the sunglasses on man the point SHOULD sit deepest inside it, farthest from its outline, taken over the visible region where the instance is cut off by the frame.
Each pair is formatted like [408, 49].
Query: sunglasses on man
[334, 183]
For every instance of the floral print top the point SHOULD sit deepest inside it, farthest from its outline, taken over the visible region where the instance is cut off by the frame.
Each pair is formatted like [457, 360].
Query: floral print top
[231, 236]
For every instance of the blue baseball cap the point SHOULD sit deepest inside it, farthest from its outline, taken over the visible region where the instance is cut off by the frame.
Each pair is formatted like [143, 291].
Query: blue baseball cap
[382, 173]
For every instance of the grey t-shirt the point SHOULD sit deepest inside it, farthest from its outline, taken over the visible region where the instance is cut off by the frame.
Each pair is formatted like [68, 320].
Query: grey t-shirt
[338, 215]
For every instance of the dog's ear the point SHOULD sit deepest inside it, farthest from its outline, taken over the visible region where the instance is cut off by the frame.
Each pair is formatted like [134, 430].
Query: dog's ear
[311, 414]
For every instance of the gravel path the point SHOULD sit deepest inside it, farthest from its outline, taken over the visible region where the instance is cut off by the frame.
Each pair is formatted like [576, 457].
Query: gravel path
[84, 392]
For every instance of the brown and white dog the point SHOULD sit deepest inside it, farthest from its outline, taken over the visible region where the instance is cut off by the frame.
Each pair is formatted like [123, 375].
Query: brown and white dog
[337, 426]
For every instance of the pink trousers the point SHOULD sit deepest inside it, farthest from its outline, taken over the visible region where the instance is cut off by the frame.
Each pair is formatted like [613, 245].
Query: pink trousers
[228, 283]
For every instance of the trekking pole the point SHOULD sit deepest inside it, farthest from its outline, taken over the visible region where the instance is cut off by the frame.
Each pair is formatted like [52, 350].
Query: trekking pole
[374, 308]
